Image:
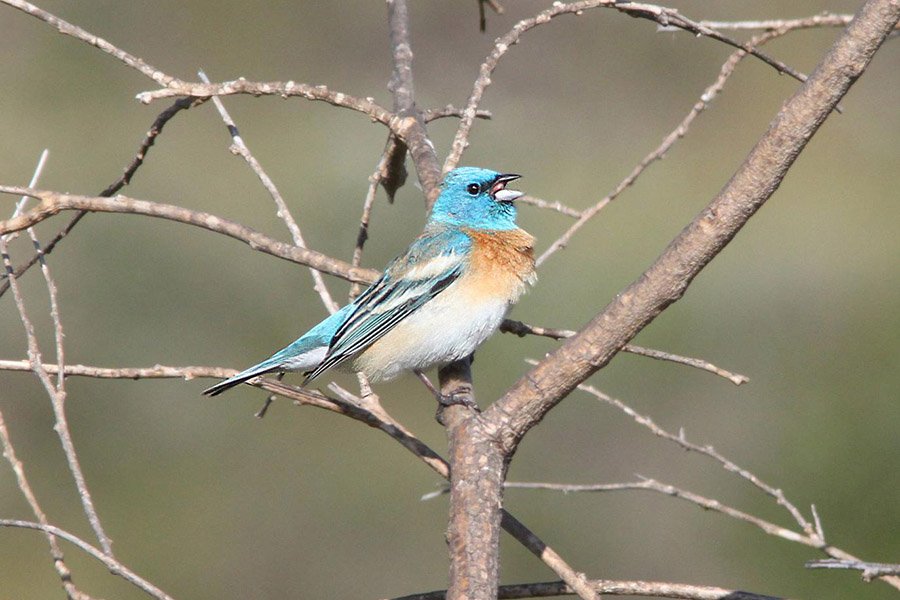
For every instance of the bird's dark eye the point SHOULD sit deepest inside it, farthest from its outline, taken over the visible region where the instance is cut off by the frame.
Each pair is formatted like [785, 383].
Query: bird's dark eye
[473, 189]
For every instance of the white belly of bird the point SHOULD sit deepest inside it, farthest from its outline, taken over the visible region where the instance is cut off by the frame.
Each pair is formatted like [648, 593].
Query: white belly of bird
[448, 328]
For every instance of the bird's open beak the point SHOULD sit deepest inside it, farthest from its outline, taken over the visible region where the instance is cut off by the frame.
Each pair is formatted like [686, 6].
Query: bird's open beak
[499, 191]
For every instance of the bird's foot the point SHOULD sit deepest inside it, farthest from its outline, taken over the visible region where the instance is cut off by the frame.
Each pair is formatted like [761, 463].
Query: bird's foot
[461, 396]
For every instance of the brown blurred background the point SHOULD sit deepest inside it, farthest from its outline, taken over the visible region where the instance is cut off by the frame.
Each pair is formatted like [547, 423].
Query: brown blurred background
[208, 502]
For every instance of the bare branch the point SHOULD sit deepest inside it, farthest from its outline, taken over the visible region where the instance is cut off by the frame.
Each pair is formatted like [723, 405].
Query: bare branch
[283, 212]
[98, 42]
[654, 589]
[870, 570]
[57, 394]
[412, 131]
[657, 153]
[114, 566]
[56, 553]
[710, 452]
[522, 329]
[155, 129]
[285, 89]
[378, 177]
[670, 490]
[666, 17]
[53, 203]
[526, 402]
[154, 372]
[697, 363]
[823, 20]
[556, 205]
[885, 571]
[433, 114]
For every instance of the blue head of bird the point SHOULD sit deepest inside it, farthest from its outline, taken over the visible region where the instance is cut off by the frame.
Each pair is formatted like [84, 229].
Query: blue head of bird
[476, 198]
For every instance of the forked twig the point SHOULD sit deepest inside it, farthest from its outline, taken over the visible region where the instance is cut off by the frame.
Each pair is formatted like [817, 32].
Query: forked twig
[114, 566]
[666, 17]
[522, 329]
[136, 162]
[282, 210]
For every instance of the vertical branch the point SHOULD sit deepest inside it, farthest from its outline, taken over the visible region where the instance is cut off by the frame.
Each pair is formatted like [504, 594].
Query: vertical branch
[474, 529]
[476, 485]
[57, 394]
[9, 452]
[55, 552]
[401, 86]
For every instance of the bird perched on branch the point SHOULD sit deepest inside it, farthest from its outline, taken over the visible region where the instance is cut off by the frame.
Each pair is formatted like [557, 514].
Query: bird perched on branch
[436, 302]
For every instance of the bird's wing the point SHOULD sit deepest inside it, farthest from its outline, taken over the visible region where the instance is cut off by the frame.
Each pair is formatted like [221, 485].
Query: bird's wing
[435, 260]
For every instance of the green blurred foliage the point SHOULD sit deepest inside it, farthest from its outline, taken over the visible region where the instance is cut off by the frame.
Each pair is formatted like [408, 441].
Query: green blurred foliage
[208, 502]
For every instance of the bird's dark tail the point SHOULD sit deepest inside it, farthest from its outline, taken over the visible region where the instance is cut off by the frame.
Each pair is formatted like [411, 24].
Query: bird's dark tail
[227, 384]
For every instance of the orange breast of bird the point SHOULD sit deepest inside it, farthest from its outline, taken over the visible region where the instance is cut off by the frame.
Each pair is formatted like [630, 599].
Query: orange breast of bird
[501, 264]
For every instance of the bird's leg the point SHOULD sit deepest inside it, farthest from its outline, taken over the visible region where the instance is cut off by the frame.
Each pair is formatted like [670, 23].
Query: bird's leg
[424, 379]
[269, 400]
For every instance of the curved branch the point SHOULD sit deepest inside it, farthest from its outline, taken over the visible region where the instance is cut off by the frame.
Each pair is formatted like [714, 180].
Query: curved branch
[665, 17]
[114, 566]
[53, 203]
[78, 33]
[526, 402]
[285, 89]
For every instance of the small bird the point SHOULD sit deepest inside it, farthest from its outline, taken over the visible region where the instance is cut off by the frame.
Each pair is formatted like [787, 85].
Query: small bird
[433, 304]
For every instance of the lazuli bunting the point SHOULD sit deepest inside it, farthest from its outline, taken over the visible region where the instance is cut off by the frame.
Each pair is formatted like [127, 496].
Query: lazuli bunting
[436, 302]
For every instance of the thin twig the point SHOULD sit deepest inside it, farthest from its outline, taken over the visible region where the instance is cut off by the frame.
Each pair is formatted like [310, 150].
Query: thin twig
[155, 372]
[556, 205]
[664, 16]
[870, 570]
[78, 33]
[20, 205]
[433, 114]
[521, 329]
[56, 553]
[380, 173]
[697, 363]
[823, 20]
[283, 212]
[654, 589]
[285, 89]
[58, 394]
[710, 452]
[708, 95]
[670, 490]
[9, 453]
[136, 162]
[114, 566]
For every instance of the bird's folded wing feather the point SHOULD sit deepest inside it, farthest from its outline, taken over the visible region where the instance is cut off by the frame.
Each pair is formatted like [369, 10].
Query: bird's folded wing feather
[434, 261]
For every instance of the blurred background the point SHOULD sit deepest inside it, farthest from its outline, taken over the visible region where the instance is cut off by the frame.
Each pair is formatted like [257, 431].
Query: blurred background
[206, 501]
